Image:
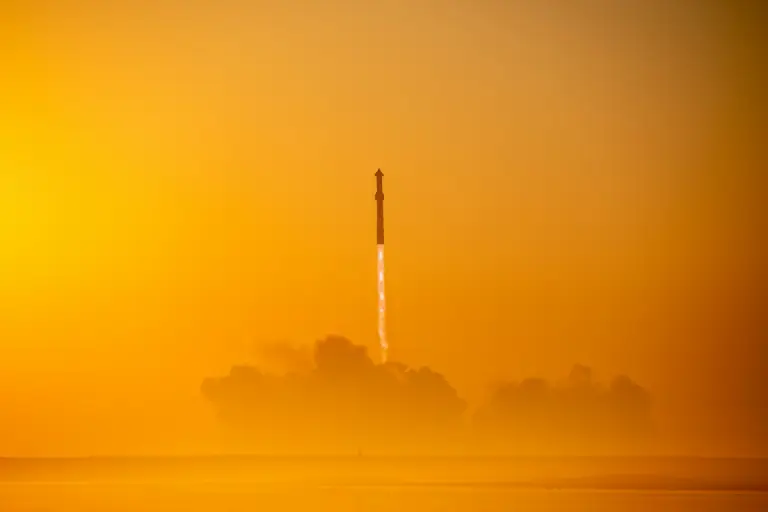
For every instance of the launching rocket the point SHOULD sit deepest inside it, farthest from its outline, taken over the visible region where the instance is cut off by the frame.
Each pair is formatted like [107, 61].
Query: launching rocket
[382, 306]
[380, 207]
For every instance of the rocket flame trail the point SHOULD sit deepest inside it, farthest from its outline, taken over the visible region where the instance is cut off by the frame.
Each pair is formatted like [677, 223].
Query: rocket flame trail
[382, 305]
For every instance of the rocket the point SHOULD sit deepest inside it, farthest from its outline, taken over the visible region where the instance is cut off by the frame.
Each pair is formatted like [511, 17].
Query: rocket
[379, 207]
[382, 306]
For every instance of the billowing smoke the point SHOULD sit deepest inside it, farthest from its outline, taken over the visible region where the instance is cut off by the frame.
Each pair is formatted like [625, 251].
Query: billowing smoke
[336, 399]
[576, 416]
[344, 403]
[283, 357]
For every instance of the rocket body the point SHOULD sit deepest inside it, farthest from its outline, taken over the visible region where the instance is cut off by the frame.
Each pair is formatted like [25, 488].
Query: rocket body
[379, 207]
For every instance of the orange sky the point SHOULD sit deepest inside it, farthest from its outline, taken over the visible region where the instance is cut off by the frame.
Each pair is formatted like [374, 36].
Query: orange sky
[180, 182]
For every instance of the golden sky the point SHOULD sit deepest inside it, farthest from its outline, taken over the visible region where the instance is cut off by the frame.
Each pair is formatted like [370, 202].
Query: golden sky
[566, 183]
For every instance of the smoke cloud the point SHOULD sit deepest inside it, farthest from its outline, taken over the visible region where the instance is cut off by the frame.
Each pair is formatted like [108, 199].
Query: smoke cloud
[345, 402]
[536, 415]
[340, 401]
[284, 357]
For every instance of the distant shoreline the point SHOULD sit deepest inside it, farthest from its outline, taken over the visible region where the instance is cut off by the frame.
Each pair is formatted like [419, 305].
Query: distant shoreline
[470, 486]
[663, 474]
[319, 457]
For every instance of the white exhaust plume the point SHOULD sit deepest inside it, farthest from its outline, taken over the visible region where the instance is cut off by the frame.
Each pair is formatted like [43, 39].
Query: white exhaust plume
[382, 305]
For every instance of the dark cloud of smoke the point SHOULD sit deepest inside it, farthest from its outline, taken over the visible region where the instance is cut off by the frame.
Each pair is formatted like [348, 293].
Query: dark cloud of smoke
[574, 416]
[284, 357]
[343, 402]
[336, 399]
